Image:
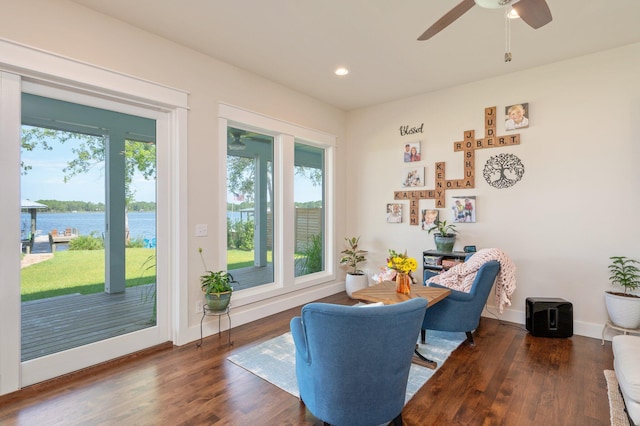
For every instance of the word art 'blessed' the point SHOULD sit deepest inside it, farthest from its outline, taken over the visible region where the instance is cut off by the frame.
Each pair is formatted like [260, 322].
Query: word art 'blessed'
[406, 130]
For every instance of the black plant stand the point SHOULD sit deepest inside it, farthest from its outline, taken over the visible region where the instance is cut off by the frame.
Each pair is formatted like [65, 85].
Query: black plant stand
[207, 312]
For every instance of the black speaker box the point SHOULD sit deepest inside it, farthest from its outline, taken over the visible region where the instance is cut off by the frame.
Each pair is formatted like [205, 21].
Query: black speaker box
[549, 317]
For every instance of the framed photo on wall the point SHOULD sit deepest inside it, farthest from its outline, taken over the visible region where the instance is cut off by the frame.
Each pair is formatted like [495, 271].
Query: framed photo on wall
[428, 218]
[394, 213]
[411, 151]
[464, 209]
[516, 116]
[413, 176]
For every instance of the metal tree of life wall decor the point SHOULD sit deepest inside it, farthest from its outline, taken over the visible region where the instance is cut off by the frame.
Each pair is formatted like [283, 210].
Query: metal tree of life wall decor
[468, 147]
[503, 170]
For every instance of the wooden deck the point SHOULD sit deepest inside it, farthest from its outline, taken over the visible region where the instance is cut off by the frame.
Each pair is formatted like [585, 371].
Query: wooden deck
[60, 323]
[252, 276]
[255, 275]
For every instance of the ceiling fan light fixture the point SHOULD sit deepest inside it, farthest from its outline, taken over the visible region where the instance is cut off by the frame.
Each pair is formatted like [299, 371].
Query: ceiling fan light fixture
[492, 4]
[512, 14]
[236, 145]
[495, 4]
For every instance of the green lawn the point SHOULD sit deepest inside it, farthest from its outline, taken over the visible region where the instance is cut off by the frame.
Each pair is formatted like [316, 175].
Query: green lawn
[82, 271]
[237, 259]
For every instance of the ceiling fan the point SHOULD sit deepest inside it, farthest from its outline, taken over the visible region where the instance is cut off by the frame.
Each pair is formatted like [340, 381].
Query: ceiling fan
[234, 141]
[237, 138]
[535, 13]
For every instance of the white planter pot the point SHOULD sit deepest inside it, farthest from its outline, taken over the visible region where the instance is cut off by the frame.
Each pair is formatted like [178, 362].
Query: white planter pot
[623, 311]
[356, 282]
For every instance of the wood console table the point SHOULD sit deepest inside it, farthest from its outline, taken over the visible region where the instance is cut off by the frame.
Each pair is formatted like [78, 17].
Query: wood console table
[385, 292]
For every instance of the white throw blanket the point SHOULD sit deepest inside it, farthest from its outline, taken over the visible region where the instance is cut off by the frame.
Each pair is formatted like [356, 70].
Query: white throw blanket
[460, 277]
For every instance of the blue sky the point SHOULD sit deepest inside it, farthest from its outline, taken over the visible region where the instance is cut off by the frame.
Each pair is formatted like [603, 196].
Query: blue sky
[45, 181]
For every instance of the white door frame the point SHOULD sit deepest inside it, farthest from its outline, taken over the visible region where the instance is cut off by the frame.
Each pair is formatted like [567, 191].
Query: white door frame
[56, 76]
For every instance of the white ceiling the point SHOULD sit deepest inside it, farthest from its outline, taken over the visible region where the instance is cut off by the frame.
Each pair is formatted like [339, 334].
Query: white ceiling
[299, 43]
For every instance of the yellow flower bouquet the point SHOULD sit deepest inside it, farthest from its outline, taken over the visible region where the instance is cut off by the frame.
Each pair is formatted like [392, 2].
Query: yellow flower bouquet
[403, 265]
[401, 262]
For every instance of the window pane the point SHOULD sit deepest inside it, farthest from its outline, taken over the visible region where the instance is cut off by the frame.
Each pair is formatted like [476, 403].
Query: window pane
[249, 207]
[309, 205]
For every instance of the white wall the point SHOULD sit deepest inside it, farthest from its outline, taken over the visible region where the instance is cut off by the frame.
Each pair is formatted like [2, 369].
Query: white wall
[70, 30]
[576, 205]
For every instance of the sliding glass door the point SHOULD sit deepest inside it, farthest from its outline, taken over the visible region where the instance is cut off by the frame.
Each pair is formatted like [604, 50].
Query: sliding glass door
[88, 269]
[145, 124]
[88, 232]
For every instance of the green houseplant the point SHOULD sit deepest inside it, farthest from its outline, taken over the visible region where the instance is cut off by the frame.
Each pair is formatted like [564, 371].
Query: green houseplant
[352, 256]
[216, 287]
[445, 236]
[311, 260]
[624, 307]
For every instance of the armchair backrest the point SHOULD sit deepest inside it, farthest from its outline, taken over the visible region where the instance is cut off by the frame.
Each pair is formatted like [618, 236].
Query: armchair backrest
[470, 313]
[484, 280]
[353, 363]
[461, 311]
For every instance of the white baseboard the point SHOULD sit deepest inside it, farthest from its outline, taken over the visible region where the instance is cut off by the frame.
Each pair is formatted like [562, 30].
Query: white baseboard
[255, 311]
[580, 328]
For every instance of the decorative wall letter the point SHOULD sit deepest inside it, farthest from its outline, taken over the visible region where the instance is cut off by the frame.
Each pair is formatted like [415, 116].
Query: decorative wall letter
[467, 146]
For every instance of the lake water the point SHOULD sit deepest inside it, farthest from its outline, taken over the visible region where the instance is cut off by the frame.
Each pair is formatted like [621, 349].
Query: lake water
[141, 224]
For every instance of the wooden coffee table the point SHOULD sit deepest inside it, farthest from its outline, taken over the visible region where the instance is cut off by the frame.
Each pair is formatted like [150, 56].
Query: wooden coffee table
[386, 293]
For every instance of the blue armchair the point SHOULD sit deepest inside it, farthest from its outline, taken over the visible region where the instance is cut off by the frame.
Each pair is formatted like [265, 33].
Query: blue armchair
[461, 311]
[352, 363]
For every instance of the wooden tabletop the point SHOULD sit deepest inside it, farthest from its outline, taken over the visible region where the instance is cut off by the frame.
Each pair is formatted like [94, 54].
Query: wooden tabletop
[385, 292]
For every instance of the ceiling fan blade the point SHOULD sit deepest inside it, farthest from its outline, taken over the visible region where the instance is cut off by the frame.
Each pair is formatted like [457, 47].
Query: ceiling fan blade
[447, 19]
[536, 13]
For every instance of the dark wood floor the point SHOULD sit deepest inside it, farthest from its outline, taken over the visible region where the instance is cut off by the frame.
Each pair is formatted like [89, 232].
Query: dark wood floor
[508, 378]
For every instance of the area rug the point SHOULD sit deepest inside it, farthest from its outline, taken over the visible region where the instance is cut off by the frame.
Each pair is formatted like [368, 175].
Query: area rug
[275, 360]
[616, 404]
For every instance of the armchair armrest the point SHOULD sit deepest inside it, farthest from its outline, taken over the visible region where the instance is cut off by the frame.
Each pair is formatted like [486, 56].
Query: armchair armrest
[455, 294]
[299, 338]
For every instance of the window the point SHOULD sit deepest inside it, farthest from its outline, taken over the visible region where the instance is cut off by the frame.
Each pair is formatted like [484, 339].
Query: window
[277, 211]
[309, 207]
[250, 207]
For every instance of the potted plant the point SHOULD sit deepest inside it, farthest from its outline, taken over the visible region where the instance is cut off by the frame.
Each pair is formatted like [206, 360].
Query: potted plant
[352, 257]
[624, 307]
[216, 287]
[445, 237]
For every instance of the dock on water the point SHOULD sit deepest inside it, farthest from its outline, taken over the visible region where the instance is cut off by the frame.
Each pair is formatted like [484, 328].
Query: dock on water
[48, 243]
[43, 247]
[56, 238]
[39, 252]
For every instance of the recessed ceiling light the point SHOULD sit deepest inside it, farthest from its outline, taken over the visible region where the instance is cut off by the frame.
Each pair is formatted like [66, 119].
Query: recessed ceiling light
[341, 71]
[512, 14]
